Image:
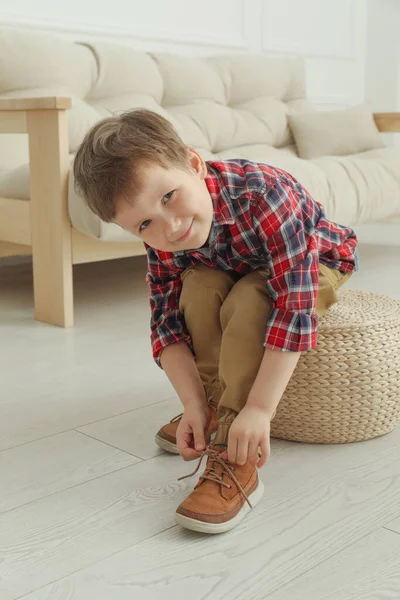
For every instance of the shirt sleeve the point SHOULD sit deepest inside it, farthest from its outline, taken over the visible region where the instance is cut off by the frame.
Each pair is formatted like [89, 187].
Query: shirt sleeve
[284, 219]
[167, 322]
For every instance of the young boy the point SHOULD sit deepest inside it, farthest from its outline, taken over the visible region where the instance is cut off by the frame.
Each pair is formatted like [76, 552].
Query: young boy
[241, 264]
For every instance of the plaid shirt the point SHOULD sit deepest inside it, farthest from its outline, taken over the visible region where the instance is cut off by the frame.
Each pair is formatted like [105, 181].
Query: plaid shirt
[263, 219]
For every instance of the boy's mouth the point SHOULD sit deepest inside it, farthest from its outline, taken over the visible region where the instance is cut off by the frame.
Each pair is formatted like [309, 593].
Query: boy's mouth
[185, 236]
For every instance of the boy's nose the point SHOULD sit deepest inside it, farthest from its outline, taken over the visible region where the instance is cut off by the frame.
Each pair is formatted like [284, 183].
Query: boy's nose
[172, 227]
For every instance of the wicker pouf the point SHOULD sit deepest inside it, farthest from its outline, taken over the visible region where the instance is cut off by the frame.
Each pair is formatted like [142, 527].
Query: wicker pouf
[347, 389]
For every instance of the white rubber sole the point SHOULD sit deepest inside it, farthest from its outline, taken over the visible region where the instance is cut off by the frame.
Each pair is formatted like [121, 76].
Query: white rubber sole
[169, 446]
[166, 445]
[202, 527]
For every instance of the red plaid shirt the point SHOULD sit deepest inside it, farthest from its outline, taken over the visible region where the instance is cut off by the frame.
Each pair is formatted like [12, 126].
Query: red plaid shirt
[263, 219]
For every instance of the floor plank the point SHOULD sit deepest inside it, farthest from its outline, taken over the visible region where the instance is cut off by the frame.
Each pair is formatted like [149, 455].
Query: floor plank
[72, 378]
[58, 534]
[367, 569]
[54, 464]
[394, 526]
[134, 431]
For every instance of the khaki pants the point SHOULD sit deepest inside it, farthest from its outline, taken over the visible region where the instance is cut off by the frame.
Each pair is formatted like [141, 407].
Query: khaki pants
[226, 317]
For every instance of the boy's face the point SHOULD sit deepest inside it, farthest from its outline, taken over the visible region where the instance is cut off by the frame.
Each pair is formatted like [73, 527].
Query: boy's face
[173, 210]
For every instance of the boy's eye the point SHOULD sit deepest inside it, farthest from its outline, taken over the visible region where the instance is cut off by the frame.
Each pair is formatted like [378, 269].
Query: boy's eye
[167, 196]
[144, 225]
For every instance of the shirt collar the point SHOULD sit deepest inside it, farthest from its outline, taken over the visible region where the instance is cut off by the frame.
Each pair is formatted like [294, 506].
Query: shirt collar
[222, 202]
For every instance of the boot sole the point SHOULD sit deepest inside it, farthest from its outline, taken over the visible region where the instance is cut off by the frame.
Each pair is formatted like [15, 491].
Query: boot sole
[203, 527]
[170, 446]
[166, 445]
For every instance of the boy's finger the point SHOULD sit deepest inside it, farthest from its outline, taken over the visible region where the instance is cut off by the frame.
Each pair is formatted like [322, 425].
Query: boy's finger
[253, 454]
[262, 461]
[190, 454]
[184, 440]
[232, 449]
[199, 441]
[242, 452]
[265, 450]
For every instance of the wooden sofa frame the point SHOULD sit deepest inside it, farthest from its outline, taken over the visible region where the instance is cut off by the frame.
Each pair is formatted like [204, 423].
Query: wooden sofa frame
[41, 226]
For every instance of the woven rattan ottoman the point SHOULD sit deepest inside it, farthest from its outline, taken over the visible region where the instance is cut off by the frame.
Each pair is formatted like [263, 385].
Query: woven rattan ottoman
[347, 389]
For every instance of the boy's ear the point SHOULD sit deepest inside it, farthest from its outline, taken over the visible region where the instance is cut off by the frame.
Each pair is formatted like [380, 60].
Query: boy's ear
[197, 162]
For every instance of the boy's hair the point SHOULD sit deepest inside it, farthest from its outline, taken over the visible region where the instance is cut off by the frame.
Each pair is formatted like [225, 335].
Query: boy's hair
[107, 163]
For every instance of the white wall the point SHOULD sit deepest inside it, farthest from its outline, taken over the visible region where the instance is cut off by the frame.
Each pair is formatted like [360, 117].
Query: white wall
[330, 34]
[383, 54]
[382, 77]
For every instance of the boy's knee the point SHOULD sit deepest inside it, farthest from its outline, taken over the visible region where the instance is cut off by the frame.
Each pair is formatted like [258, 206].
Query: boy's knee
[250, 297]
[201, 276]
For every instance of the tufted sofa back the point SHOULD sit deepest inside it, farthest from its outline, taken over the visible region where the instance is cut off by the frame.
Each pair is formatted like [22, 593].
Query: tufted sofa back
[224, 106]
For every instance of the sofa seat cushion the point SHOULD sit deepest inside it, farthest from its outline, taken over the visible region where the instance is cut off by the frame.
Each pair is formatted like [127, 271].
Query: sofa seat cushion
[353, 189]
[15, 184]
[363, 187]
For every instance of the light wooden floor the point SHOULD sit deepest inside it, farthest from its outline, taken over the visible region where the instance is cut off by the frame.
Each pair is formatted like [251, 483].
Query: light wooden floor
[87, 499]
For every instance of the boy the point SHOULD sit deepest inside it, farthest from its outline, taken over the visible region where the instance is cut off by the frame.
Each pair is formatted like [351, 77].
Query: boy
[241, 263]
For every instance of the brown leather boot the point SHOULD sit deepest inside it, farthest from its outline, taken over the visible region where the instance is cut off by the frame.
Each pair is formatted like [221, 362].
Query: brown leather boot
[223, 496]
[166, 436]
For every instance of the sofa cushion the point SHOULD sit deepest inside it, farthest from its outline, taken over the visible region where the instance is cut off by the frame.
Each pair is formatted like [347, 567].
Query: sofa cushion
[335, 132]
[32, 60]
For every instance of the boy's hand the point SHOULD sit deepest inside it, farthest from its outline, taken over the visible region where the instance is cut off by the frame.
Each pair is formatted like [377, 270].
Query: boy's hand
[249, 431]
[192, 433]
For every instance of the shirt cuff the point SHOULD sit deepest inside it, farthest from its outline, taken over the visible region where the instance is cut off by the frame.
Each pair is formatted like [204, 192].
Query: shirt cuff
[291, 331]
[161, 343]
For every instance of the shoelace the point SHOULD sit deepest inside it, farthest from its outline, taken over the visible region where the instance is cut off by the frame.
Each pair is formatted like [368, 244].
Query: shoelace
[216, 459]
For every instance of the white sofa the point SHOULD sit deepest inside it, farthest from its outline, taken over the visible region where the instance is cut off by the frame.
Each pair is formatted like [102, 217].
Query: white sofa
[225, 106]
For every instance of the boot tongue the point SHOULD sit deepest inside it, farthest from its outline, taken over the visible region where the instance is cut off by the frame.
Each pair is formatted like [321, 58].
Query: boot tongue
[219, 447]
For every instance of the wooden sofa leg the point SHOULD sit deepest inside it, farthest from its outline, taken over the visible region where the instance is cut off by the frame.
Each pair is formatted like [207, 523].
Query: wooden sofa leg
[50, 225]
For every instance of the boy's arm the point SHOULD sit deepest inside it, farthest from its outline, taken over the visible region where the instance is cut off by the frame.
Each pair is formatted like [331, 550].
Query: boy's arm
[253, 422]
[171, 342]
[179, 365]
[167, 323]
[273, 376]
[284, 221]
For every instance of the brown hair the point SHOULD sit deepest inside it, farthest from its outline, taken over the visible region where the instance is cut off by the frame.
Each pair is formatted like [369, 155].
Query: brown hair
[107, 161]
